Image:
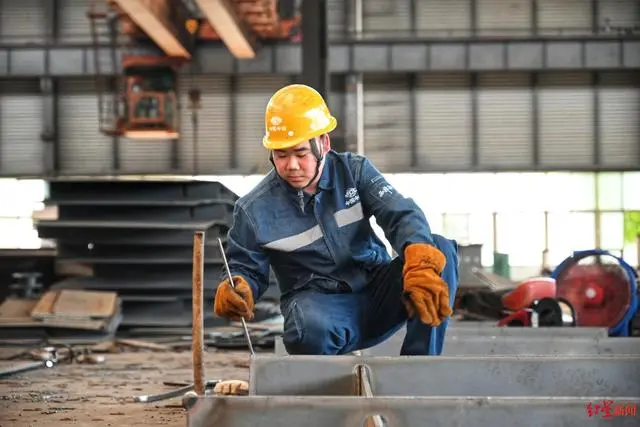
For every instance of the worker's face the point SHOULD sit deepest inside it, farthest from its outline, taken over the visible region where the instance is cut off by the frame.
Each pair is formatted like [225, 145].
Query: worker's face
[297, 165]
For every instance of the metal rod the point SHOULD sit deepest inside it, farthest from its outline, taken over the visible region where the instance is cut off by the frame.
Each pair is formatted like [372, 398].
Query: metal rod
[233, 285]
[26, 367]
[150, 398]
[197, 345]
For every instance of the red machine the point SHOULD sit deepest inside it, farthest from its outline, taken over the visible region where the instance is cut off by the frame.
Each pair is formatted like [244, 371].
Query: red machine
[590, 288]
[601, 288]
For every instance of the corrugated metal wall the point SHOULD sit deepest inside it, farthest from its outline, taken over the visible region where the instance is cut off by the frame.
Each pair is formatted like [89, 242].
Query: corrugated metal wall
[505, 120]
[504, 17]
[572, 16]
[386, 17]
[252, 96]
[443, 119]
[444, 123]
[140, 157]
[620, 119]
[21, 118]
[230, 123]
[83, 150]
[443, 17]
[212, 151]
[618, 13]
[566, 116]
[74, 25]
[337, 18]
[387, 122]
[22, 21]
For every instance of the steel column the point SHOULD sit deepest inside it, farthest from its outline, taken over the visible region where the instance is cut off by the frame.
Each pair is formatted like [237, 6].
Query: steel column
[473, 17]
[413, 87]
[113, 88]
[354, 90]
[52, 20]
[50, 135]
[233, 122]
[315, 45]
[475, 122]
[49, 88]
[534, 17]
[597, 128]
[535, 119]
[595, 16]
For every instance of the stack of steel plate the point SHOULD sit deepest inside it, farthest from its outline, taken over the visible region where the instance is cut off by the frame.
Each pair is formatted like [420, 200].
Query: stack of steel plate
[136, 238]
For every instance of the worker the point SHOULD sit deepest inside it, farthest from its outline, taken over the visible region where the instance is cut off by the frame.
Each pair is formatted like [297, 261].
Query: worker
[309, 221]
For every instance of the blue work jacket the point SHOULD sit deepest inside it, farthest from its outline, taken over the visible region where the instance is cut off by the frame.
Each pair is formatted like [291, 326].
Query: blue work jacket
[323, 240]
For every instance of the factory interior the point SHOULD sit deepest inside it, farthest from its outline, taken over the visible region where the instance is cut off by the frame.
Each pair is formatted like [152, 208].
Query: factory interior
[132, 130]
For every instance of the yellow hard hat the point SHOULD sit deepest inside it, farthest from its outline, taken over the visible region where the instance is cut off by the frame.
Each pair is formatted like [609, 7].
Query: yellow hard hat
[294, 114]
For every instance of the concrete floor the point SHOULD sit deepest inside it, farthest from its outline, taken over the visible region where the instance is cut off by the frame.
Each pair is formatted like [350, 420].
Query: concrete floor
[89, 395]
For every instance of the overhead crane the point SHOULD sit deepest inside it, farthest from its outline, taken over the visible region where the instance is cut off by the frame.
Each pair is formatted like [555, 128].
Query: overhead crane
[142, 101]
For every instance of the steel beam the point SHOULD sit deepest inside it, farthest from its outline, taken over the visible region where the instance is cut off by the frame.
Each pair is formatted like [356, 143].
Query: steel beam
[351, 57]
[484, 330]
[466, 345]
[349, 411]
[153, 17]
[532, 346]
[497, 376]
[234, 33]
[487, 334]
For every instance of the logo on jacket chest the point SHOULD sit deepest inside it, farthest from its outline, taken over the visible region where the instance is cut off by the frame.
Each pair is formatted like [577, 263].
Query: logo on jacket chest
[351, 197]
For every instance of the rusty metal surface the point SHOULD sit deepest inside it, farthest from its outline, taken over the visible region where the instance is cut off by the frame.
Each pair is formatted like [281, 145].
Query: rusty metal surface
[197, 345]
[450, 376]
[348, 411]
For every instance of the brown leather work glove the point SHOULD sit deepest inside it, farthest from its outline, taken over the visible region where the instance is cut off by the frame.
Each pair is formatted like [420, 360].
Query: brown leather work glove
[425, 292]
[232, 303]
[231, 388]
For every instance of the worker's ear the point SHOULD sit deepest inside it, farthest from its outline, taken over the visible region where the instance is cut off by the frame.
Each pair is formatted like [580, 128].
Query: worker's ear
[325, 143]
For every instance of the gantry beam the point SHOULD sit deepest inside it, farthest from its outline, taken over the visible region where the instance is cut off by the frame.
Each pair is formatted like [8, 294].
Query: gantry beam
[232, 31]
[152, 16]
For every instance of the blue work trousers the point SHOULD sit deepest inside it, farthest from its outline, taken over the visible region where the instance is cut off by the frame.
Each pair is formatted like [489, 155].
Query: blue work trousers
[320, 323]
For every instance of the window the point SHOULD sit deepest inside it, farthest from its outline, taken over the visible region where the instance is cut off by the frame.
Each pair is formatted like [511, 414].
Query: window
[569, 192]
[612, 230]
[569, 232]
[610, 191]
[16, 224]
[481, 232]
[521, 236]
[631, 191]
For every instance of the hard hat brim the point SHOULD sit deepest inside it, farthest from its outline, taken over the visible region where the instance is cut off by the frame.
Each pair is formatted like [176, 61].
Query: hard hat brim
[290, 143]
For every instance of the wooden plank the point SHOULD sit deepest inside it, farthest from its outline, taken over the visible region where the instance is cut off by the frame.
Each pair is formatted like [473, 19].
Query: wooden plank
[85, 304]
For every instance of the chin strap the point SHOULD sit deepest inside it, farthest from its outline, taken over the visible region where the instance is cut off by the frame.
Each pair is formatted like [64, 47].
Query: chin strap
[316, 150]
